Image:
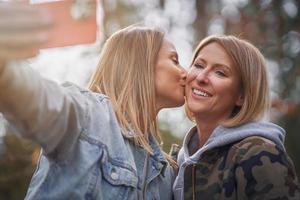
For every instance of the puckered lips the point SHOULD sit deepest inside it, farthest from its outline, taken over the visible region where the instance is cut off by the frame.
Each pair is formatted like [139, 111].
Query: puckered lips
[200, 93]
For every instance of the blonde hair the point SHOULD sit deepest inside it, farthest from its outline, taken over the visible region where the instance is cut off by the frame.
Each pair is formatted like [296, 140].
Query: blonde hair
[250, 65]
[125, 73]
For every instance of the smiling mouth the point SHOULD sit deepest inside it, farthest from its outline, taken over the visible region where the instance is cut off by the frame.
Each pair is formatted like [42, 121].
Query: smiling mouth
[201, 93]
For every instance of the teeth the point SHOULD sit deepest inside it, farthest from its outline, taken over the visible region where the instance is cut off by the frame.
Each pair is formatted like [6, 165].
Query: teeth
[200, 93]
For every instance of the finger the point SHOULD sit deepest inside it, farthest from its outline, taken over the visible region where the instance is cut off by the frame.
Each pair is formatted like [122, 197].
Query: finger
[16, 18]
[23, 40]
[19, 24]
[17, 7]
[6, 55]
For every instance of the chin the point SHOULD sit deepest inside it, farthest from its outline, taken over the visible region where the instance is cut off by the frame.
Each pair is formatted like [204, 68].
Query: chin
[194, 108]
[181, 101]
[180, 104]
[177, 103]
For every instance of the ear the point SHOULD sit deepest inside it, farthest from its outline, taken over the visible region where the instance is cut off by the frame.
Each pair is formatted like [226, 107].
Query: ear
[240, 100]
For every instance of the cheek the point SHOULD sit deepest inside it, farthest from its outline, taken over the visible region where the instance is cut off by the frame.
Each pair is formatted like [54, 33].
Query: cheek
[226, 89]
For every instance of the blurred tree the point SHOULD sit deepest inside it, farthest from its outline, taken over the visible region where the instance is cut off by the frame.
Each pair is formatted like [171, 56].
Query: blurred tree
[118, 14]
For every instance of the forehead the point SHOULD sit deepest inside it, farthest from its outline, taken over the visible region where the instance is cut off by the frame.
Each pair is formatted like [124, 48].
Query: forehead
[214, 53]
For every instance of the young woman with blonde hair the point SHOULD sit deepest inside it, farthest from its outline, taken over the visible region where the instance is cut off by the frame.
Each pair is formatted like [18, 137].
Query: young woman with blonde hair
[231, 153]
[101, 142]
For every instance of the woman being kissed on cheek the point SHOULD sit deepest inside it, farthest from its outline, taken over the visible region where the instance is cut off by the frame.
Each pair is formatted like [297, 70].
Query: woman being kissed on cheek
[231, 153]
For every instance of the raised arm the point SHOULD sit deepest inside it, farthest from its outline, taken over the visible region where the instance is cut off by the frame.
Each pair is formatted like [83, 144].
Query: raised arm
[39, 109]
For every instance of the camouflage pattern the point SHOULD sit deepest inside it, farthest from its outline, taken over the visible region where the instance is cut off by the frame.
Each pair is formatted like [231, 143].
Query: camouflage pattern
[254, 168]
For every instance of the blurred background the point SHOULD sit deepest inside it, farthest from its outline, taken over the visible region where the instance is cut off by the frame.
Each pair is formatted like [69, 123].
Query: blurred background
[272, 25]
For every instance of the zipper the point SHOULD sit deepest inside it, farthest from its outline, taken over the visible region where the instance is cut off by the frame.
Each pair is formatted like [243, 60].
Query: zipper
[194, 181]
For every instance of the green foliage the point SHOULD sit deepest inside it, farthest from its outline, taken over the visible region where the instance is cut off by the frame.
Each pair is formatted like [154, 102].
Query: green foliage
[168, 139]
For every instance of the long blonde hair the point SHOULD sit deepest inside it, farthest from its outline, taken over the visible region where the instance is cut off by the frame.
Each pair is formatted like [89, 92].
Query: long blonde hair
[125, 73]
[250, 64]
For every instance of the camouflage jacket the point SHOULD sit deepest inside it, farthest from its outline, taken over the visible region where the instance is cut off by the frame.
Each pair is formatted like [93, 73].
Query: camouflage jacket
[252, 168]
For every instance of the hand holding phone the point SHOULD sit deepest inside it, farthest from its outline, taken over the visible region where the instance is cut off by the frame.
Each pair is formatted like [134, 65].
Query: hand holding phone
[23, 29]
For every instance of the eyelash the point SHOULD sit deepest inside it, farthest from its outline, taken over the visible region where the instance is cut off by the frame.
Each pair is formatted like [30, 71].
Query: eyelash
[176, 62]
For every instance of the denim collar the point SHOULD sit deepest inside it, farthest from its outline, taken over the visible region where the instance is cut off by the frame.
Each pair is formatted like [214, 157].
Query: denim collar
[158, 155]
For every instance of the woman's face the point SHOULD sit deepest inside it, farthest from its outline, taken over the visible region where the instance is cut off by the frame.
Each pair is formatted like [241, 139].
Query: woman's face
[213, 85]
[169, 78]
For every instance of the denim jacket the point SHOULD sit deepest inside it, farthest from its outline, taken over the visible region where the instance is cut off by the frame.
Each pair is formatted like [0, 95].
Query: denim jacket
[85, 154]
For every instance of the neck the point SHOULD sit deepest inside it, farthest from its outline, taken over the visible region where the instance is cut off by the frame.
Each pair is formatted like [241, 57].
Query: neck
[204, 131]
[206, 125]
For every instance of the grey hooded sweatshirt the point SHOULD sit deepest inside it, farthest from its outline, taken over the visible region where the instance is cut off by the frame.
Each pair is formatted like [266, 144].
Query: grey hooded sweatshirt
[222, 136]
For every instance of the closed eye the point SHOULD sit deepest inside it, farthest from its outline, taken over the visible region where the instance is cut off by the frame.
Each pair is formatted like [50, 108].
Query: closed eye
[221, 73]
[198, 66]
[175, 61]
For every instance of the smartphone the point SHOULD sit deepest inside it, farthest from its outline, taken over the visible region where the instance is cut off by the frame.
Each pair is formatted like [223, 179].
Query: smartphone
[69, 27]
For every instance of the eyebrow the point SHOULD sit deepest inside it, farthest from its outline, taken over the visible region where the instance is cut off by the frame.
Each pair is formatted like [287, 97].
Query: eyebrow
[225, 66]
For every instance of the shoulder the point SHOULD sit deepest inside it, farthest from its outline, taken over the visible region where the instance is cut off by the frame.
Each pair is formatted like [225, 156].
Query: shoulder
[83, 97]
[98, 114]
[255, 140]
[255, 144]
[73, 88]
[260, 163]
[257, 147]
[259, 151]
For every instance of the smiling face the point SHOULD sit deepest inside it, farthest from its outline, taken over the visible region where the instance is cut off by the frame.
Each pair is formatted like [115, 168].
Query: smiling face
[169, 78]
[213, 85]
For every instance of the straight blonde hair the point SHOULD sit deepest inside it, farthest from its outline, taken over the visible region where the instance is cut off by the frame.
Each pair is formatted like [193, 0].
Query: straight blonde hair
[125, 73]
[250, 65]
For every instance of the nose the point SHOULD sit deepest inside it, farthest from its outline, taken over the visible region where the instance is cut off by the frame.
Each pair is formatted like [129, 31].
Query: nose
[202, 76]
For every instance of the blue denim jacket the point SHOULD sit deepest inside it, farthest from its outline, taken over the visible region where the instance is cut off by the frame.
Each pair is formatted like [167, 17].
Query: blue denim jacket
[85, 154]
[98, 162]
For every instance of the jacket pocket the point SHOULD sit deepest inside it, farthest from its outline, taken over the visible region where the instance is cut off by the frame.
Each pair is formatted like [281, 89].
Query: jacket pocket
[119, 181]
[116, 173]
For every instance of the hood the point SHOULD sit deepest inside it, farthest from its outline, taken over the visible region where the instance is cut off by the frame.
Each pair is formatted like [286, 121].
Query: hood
[222, 136]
